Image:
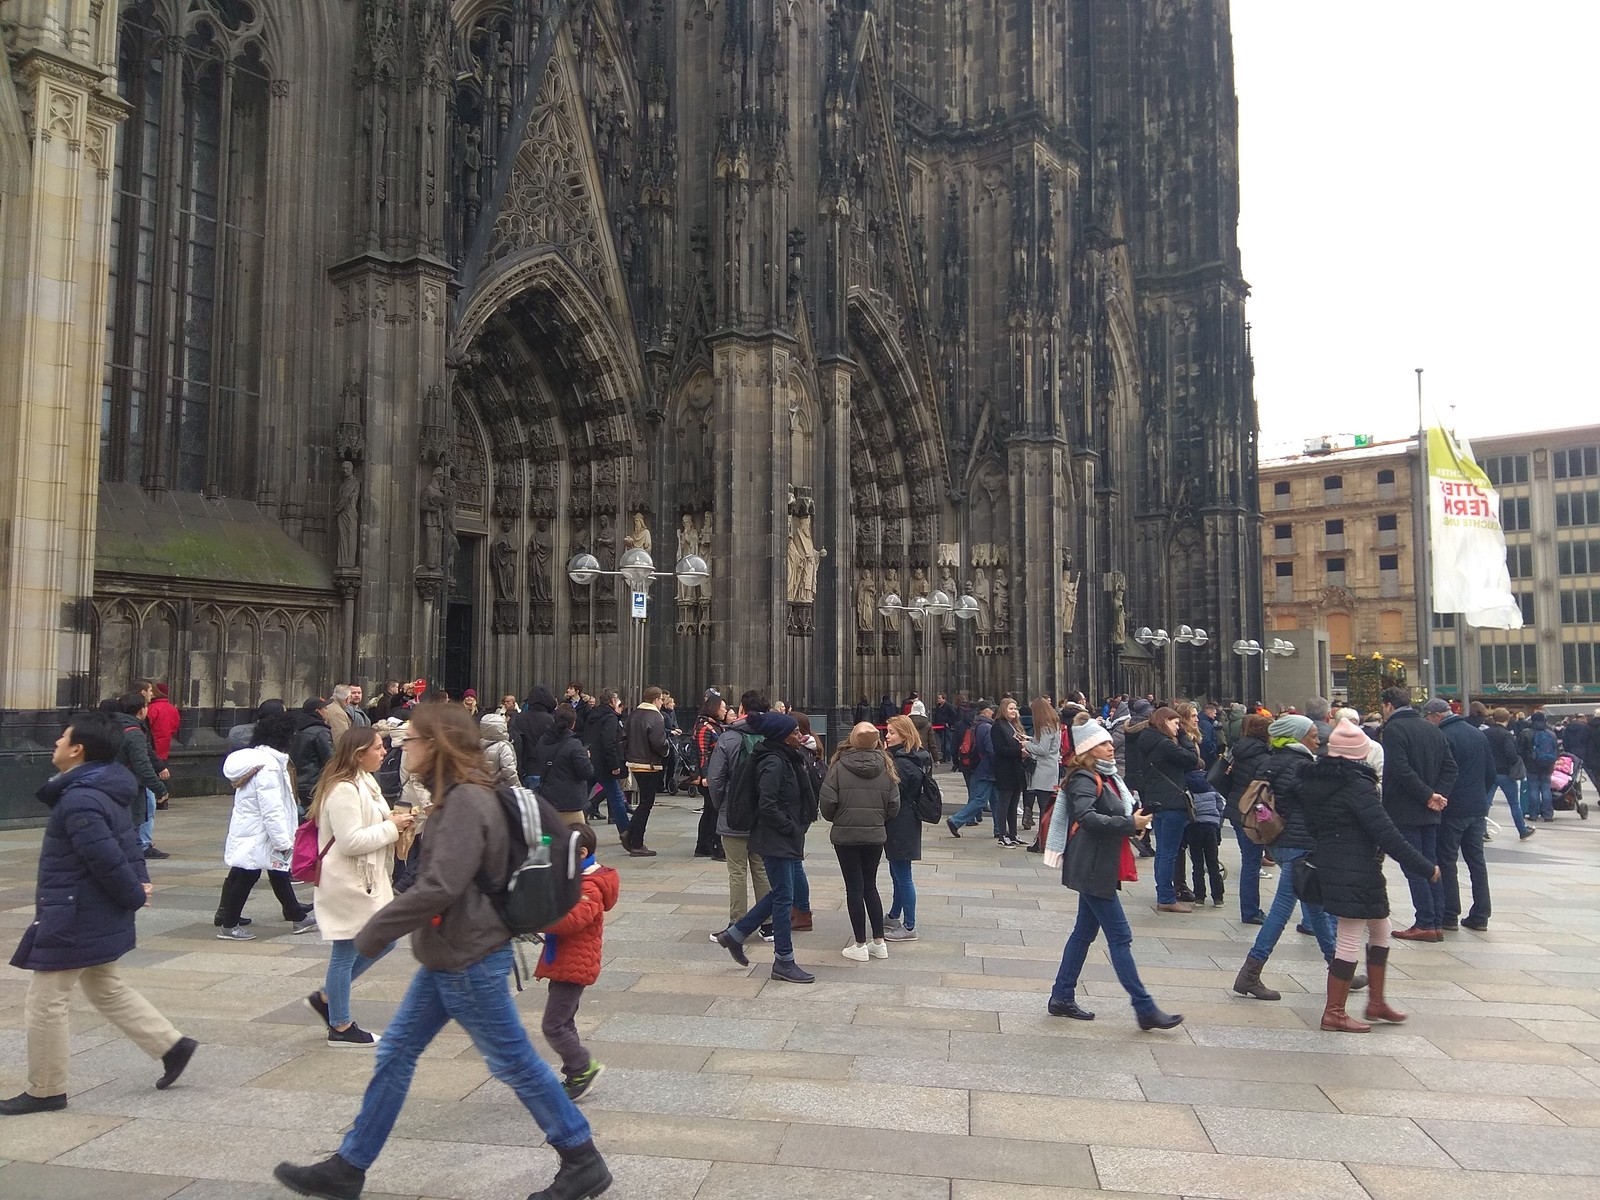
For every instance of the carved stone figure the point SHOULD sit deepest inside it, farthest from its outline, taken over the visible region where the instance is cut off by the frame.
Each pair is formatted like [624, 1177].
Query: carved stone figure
[539, 550]
[503, 558]
[434, 502]
[919, 584]
[1001, 601]
[866, 601]
[803, 559]
[947, 585]
[347, 515]
[1118, 587]
[891, 587]
[688, 543]
[980, 593]
[949, 555]
[638, 538]
[1069, 599]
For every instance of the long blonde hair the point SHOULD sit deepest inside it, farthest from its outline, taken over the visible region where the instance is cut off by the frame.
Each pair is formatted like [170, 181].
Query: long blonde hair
[343, 767]
[907, 729]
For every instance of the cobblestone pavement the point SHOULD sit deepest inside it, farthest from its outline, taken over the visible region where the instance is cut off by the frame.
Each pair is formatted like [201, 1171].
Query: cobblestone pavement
[935, 1074]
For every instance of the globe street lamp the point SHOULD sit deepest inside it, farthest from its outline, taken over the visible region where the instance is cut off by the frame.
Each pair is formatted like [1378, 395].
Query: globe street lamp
[639, 569]
[1277, 648]
[932, 607]
[1159, 638]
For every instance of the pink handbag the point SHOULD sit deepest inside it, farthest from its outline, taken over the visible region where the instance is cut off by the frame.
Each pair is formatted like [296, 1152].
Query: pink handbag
[305, 864]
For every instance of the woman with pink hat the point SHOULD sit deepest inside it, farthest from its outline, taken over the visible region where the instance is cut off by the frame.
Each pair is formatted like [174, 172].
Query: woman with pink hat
[1348, 821]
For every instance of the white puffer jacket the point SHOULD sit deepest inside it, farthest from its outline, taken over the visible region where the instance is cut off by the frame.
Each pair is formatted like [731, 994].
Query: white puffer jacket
[498, 755]
[261, 830]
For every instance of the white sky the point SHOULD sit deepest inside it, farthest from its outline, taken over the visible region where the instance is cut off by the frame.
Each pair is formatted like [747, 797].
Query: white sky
[1419, 190]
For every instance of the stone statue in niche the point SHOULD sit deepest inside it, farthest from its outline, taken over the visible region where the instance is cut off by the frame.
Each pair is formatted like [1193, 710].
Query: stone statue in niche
[1117, 585]
[949, 555]
[1001, 601]
[435, 500]
[980, 592]
[1069, 599]
[539, 551]
[947, 585]
[605, 549]
[919, 584]
[688, 543]
[866, 601]
[891, 587]
[638, 538]
[347, 515]
[503, 558]
[803, 559]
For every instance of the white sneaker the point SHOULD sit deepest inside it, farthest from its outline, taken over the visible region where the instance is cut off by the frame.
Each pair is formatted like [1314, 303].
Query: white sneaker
[855, 953]
[236, 934]
[894, 923]
[877, 950]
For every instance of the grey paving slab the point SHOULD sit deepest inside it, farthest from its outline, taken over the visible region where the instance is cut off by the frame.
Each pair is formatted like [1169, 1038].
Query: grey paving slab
[940, 1157]
[1240, 1093]
[1383, 1102]
[1223, 1176]
[1082, 1121]
[1037, 1080]
[1533, 1149]
[44, 1136]
[1506, 1079]
[36, 1181]
[1338, 1137]
[748, 1181]
[1209, 1062]
[849, 1102]
[1423, 1183]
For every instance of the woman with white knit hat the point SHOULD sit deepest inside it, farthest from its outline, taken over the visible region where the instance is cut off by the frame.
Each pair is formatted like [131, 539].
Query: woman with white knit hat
[1340, 796]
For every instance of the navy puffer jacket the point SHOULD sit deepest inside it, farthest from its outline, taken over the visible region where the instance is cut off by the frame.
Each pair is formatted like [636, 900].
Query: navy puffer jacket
[91, 872]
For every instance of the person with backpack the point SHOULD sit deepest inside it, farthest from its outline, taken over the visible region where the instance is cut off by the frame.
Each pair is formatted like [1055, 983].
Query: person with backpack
[1418, 773]
[356, 833]
[261, 830]
[1203, 838]
[1088, 841]
[564, 768]
[1543, 751]
[746, 872]
[903, 831]
[602, 734]
[859, 796]
[975, 757]
[463, 950]
[774, 783]
[570, 960]
[708, 728]
[1246, 757]
[1044, 751]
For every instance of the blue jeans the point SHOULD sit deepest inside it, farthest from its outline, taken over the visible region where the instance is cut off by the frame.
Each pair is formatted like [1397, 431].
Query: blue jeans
[1508, 785]
[1463, 836]
[1283, 902]
[1095, 915]
[776, 905]
[980, 795]
[904, 901]
[1541, 801]
[800, 886]
[1249, 876]
[479, 1000]
[1426, 897]
[531, 782]
[147, 827]
[1169, 825]
[616, 803]
[345, 966]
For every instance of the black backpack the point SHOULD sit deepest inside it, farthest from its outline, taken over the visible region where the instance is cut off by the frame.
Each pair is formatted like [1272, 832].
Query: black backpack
[743, 796]
[389, 775]
[929, 799]
[546, 865]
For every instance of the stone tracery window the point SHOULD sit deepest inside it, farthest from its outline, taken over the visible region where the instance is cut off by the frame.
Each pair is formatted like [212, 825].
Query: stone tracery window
[187, 253]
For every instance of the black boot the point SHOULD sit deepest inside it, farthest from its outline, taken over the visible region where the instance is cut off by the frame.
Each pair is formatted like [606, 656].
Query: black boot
[331, 1179]
[581, 1176]
[175, 1060]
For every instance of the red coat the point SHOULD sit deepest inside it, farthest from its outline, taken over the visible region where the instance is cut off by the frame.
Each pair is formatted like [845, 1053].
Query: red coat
[575, 957]
[164, 721]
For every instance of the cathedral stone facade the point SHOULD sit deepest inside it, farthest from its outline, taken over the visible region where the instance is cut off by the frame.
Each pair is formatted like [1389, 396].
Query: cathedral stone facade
[334, 329]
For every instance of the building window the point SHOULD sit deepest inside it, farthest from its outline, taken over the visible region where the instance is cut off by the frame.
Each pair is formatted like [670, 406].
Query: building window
[188, 234]
[1577, 508]
[1385, 484]
[1444, 620]
[1525, 602]
[1519, 561]
[1579, 463]
[1391, 627]
[1283, 539]
[1332, 489]
[1284, 577]
[1446, 666]
[1280, 494]
[1506, 468]
[1388, 575]
[1578, 558]
[1514, 514]
[1580, 663]
[1515, 665]
[1388, 529]
[1580, 607]
[1333, 535]
[1335, 568]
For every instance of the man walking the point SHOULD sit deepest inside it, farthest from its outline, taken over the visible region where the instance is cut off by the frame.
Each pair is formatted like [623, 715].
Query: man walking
[1465, 823]
[92, 880]
[646, 753]
[164, 721]
[980, 785]
[1418, 773]
[725, 757]
[136, 754]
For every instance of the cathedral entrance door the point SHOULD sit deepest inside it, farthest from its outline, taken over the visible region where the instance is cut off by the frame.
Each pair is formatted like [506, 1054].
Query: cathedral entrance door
[460, 620]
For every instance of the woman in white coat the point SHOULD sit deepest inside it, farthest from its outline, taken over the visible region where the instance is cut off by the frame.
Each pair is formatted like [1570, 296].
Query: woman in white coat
[356, 833]
[261, 830]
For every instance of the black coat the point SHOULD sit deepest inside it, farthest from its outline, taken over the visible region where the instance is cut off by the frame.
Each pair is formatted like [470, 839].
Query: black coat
[138, 756]
[1093, 860]
[904, 829]
[1282, 771]
[602, 734]
[1162, 765]
[1249, 756]
[310, 752]
[1416, 763]
[1502, 749]
[529, 727]
[786, 804]
[1475, 773]
[1350, 827]
[566, 775]
[91, 872]
[1010, 771]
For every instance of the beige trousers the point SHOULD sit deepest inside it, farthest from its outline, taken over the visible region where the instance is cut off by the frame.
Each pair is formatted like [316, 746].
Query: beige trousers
[46, 1012]
[740, 868]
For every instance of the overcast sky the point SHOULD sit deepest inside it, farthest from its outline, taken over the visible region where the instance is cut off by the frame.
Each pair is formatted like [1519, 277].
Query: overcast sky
[1419, 190]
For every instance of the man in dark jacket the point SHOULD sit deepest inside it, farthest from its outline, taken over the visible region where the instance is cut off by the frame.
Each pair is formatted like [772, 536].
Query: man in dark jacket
[646, 755]
[602, 734]
[92, 880]
[1508, 767]
[1464, 826]
[312, 748]
[980, 784]
[944, 724]
[1418, 773]
[747, 874]
[137, 754]
[529, 727]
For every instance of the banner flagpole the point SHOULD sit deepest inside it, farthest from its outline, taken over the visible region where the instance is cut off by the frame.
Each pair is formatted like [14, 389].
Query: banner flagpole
[1424, 565]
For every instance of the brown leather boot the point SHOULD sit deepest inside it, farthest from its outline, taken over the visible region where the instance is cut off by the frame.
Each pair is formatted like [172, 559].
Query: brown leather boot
[1248, 982]
[1377, 970]
[800, 920]
[1334, 1017]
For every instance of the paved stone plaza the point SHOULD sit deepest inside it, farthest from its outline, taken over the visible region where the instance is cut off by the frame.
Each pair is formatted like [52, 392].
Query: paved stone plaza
[933, 1076]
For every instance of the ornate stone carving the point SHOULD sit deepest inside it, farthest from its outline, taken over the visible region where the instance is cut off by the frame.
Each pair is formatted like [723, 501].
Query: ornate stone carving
[434, 506]
[866, 601]
[688, 543]
[891, 587]
[1117, 584]
[638, 538]
[919, 585]
[979, 589]
[503, 563]
[540, 548]
[347, 515]
[804, 558]
[1000, 601]
[1069, 598]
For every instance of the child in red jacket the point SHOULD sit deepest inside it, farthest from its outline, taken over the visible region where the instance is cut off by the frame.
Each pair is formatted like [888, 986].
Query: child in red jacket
[571, 962]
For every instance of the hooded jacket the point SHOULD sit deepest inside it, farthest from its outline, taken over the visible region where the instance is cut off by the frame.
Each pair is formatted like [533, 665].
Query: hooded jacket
[719, 772]
[1161, 764]
[91, 872]
[134, 754]
[983, 739]
[1349, 827]
[535, 720]
[786, 805]
[859, 797]
[1282, 772]
[602, 734]
[565, 771]
[572, 945]
[264, 818]
[497, 753]
[310, 751]
[165, 721]
[903, 831]
[1249, 756]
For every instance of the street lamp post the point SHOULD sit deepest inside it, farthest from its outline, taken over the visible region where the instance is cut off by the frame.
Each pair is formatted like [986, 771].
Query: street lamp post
[1162, 640]
[1278, 648]
[638, 569]
[931, 608]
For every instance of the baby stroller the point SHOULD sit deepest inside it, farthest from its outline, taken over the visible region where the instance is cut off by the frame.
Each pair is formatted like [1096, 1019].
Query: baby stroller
[1566, 788]
[679, 771]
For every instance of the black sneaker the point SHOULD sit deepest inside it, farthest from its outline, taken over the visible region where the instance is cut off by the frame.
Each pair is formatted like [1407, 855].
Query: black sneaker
[768, 933]
[318, 1005]
[581, 1084]
[175, 1060]
[331, 1179]
[950, 823]
[353, 1036]
[152, 852]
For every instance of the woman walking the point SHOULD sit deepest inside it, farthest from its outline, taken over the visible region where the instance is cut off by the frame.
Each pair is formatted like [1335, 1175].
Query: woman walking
[1044, 748]
[903, 844]
[708, 727]
[1010, 771]
[1162, 762]
[356, 833]
[564, 768]
[494, 735]
[860, 795]
[464, 954]
[261, 830]
[1339, 794]
[1246, 757]
[1089, 841]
